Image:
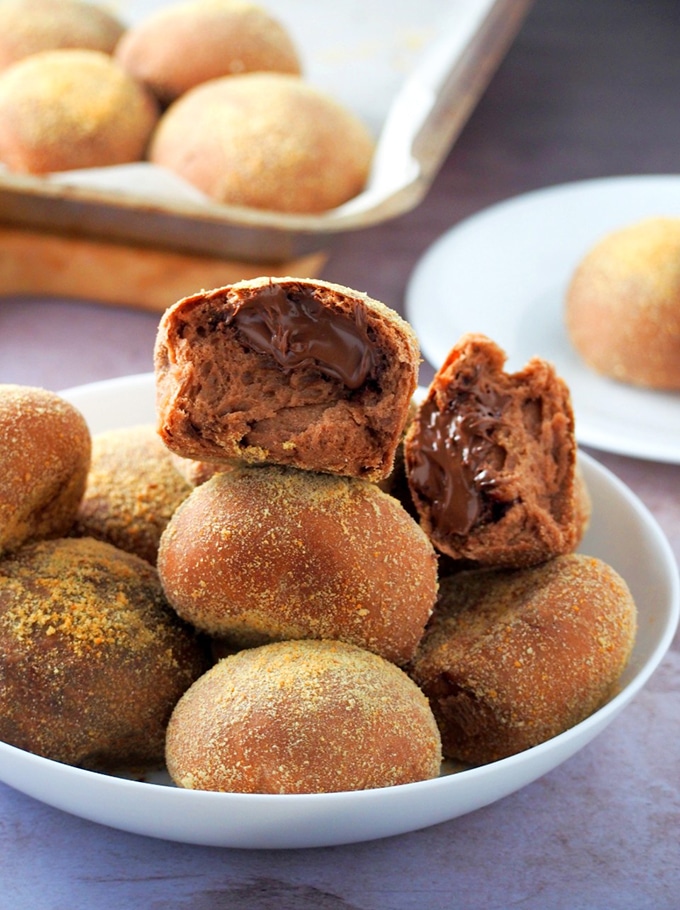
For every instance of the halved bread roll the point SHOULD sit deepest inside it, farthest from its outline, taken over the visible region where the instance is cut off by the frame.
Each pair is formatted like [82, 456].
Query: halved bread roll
[287, 371]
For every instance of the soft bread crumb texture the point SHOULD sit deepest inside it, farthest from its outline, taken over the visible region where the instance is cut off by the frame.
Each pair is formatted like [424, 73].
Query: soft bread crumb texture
[269, 553]
[92, 659]
[45, 448]
[302, 717]
[219, 399]
[622, 306]
[512, 658]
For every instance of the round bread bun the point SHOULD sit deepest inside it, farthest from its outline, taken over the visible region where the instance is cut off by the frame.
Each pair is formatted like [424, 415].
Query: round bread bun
[622, 305]
[92, 659]
[178, 47]
[44, 459]
[511, 658]
[265, 141]
[67, 109]
[133, 489]
[270, 553]
[302, 717]
[30, 26]
[289, 371]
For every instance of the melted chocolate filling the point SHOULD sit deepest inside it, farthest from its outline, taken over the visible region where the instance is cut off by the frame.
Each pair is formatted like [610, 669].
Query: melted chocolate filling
[297, 331]
[457, 459]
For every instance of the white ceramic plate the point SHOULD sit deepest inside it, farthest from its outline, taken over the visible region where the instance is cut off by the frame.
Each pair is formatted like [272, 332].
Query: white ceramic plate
[637, 548]
[504, 272]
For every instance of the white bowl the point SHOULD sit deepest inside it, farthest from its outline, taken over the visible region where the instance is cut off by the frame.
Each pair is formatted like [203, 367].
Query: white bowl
[622, 532]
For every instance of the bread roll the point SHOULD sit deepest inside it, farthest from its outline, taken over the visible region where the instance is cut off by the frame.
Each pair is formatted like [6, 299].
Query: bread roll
[622, 306]
[133, 489]
[302, 717]
[92, 660]
[284, 370]
[267, 553]
[175, 48]
[67, 109]
[491, 460]
[44, 459]
[265, 141]
[511, 658]
[30, 26]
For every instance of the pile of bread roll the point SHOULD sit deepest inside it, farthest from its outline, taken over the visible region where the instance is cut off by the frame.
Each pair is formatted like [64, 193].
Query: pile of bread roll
[211, 90]
[302, 580]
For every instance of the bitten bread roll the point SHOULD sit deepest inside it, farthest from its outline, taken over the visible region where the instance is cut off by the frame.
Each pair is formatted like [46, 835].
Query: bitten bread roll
[92, 659]
[176, 48]
[67, 109]
[511, 658]
[491, 460]
[44, 459]
[267, 553]
[302, 717]
[265, 141]
[622, 306]
[284, 370]
[30, 26]
[133, 489]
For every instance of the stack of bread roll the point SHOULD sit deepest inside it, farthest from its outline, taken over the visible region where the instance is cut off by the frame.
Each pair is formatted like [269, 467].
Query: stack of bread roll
[287, 391]
[380, 582]
[297, 393]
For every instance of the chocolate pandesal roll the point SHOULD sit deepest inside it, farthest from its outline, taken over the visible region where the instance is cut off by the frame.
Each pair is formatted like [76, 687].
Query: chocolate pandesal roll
[30, 26]
[133, 489]
[45, 449]
[67, 109]
[92, 658]
[266, 141]
[175, 48]
[513, 657]
[267, 553]
[287, 371]
[622, 305]
[491, 460]
[302, 717]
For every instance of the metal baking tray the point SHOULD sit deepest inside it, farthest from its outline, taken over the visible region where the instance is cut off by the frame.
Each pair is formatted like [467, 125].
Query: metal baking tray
[412, 69]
